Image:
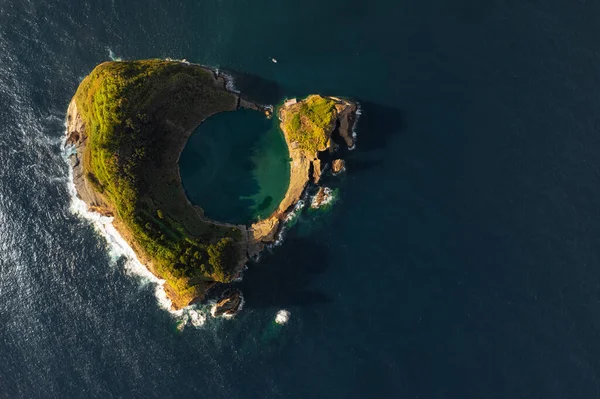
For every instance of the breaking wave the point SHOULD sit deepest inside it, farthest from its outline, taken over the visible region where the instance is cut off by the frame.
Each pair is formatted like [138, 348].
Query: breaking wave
[289, 221]
[282, 316]
[355, 124]
[328, 198]
[113, 56]
[229, 80]
[183, 61]
[191, 317]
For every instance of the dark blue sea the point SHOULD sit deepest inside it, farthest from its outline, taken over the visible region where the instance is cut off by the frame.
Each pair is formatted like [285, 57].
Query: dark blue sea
[461, 259]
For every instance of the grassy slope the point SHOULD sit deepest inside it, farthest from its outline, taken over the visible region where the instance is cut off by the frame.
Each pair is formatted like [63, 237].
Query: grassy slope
[310, 123]
[138, 115]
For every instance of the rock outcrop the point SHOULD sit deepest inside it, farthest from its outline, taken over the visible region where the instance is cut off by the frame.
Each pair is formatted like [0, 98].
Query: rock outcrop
[338, 165]
[323, 197]
[317, 169]
[319, 197]
[229, 304]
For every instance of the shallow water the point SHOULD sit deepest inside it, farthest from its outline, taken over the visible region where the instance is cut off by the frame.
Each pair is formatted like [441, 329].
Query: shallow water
[236, 166]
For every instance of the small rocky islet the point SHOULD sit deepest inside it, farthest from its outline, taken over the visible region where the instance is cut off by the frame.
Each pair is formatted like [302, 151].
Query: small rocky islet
[129, 122]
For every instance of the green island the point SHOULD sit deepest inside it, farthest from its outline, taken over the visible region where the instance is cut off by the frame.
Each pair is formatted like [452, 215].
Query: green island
[309, 125]
[129, 122]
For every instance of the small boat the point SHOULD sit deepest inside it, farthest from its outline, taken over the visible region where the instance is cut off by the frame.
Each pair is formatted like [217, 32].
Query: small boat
[273, 60]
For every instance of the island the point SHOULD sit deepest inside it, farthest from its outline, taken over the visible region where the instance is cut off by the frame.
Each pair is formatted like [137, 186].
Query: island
[129, 122]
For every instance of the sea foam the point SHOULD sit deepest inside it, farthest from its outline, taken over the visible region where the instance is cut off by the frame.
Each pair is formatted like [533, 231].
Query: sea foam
[328, 198]
[282, 316]
[113, 56]
[355, 124]
[229, 80]
[289, 220]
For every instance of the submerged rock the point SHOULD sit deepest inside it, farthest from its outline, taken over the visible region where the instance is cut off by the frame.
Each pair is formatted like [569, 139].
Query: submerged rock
[229, 303]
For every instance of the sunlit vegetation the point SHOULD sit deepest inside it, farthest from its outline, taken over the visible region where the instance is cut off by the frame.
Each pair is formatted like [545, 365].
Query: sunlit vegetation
[136, 115]
[309, 123]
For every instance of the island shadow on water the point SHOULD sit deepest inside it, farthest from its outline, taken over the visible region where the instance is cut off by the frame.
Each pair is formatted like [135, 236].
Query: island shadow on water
[375, 127]
[283, 278]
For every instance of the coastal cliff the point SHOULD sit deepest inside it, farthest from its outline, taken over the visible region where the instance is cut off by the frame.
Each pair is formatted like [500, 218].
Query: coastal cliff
[76, 135]
[128, 124]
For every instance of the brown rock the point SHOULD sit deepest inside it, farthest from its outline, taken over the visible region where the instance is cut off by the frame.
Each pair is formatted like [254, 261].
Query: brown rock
[316, 165]
[229, 304]
[338, 165]
[323, 197]
[318, 200]
[262, 232]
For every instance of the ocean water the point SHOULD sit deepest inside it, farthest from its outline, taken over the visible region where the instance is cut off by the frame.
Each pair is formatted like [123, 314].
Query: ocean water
[461, 259]
[236, 166]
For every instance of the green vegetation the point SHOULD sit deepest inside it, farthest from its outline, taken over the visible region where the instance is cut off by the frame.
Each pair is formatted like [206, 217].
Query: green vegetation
[310, 123]
[137, 116]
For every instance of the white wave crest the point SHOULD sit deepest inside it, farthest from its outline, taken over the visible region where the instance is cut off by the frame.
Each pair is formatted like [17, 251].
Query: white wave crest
[240, 277]
[289, 219]
[295, 212]
[183, 61]
[282, 316]
[354, 132]
[197, 317]
[113, 56]
[229, 81]
[191, 316]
